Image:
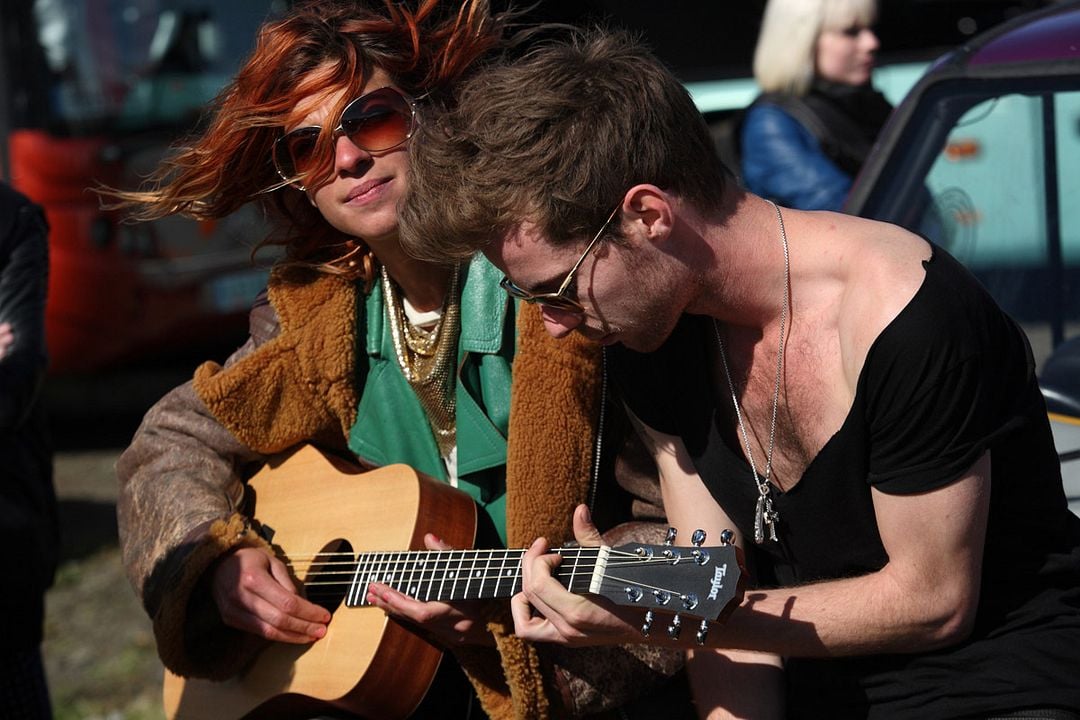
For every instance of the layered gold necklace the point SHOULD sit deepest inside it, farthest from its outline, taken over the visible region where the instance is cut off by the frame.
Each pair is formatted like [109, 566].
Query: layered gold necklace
[427, 357]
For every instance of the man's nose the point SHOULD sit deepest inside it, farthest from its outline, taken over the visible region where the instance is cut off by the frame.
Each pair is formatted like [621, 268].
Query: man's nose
[559, 323]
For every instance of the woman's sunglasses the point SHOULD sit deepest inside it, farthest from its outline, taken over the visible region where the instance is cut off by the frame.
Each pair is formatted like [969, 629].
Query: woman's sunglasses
[381, 120]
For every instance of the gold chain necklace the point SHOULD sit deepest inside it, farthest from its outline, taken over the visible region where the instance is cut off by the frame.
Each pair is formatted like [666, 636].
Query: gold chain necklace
[427, 357]
[765, 516]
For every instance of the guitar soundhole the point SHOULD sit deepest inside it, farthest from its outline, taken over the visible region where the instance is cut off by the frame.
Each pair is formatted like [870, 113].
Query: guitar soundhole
[328, 580]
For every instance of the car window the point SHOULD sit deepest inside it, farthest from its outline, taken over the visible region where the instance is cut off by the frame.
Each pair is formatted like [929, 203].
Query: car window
[1000, 196]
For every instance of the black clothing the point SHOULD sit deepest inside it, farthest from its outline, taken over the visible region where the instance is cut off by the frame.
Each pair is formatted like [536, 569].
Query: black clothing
[949, 378]
[845, 119]
[28, 523]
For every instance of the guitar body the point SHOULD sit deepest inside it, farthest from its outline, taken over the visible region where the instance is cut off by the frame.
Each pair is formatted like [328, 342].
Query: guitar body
[367, 665]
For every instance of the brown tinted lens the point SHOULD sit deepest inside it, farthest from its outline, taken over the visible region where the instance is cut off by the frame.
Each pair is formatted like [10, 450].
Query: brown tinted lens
[294, 153]
[559, 302]
[551, 300]
[380, 120]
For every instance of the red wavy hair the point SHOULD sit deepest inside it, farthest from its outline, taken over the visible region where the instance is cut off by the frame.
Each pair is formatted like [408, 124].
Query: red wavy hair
[321, 46]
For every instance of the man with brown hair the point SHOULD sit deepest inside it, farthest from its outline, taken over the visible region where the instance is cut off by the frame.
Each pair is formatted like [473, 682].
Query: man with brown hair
[840, 392]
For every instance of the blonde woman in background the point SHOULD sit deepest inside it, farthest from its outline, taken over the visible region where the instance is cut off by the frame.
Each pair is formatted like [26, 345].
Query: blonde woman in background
[806, 137]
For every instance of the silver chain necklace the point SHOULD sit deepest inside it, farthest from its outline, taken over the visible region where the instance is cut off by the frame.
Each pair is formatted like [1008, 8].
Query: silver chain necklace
[764, 516]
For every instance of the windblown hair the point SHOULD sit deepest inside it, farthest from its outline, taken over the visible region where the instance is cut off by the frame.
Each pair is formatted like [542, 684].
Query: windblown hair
[786, 52]
[322, 46]
[555, 137]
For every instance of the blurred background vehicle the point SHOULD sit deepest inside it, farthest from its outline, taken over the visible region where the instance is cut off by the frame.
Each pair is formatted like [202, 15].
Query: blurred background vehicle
[94, 91]
[983, 158]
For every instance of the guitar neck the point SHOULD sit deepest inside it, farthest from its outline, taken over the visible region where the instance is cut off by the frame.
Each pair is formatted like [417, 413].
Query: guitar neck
[468, 574]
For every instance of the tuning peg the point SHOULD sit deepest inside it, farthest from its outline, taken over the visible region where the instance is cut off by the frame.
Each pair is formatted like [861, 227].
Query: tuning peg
[646, 627]
[703, 631]
[663, 597]
[670, 538]
[701, 557]
[633, 594]
[689, 600]
[727, 537]
[698, 538]
[675, 627]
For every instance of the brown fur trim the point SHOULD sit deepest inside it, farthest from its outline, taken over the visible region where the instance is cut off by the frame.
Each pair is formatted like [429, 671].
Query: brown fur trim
[553, 416]
[298, 386]
[524, 674]
[182, 616]
[553, 423]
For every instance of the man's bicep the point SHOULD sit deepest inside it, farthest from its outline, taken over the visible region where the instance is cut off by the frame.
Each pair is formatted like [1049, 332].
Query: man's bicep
[687, 502]
[935, 539]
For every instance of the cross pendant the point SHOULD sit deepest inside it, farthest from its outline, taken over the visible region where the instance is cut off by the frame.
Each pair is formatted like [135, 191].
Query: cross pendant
[765, 516]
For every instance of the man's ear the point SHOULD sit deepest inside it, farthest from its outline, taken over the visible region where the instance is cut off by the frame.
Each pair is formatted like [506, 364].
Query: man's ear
[650, 209]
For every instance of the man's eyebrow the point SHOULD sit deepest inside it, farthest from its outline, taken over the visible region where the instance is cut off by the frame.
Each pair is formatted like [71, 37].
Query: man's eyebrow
[549, 284]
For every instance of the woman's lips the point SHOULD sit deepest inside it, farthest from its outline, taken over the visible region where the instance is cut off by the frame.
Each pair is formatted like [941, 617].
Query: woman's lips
[366, 190]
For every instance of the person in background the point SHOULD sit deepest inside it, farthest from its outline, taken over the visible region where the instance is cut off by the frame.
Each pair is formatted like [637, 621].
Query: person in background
[366, 353]
[29, 529]
[805, 138]
[838, 392]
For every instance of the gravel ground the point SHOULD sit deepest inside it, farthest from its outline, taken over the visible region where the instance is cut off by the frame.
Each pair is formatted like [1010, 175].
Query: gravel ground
[99, 650]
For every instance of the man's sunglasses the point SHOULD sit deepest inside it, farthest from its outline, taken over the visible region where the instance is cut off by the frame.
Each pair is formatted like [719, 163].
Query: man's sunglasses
[381, 120]
[558, 300]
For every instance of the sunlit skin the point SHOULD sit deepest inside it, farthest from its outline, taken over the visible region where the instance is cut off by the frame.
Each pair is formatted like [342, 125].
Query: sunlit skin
[846, 55]
[617, 284]
[252, 588]
[7, 337]
[843, 292]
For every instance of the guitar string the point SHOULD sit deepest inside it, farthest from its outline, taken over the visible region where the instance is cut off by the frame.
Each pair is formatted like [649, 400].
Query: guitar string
[565, 553]
[349, 567]
[381, 567]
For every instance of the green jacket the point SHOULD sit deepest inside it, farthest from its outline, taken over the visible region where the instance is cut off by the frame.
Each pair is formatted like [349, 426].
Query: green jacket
[387, 403]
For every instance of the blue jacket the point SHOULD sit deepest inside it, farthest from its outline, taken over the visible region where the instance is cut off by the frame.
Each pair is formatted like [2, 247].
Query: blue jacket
[783, 161]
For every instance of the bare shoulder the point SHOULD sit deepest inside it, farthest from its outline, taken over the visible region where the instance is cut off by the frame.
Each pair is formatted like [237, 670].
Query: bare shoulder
[877, 268]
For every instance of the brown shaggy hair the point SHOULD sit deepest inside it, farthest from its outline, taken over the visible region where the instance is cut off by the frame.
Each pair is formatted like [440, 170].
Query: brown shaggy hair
[320, 46]
[556, 137]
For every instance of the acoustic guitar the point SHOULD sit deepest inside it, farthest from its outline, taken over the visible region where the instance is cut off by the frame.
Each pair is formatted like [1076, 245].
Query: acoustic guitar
[340, 528]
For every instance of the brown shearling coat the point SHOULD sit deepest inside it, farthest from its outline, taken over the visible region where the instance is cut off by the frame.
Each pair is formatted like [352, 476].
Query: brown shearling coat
[293, 383]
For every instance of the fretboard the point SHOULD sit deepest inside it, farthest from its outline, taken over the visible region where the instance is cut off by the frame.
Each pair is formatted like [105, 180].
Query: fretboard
[468, 574]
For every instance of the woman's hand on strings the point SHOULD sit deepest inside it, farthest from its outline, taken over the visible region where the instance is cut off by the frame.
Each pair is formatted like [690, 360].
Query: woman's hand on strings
[450, 624]
[545, 611]
[254, 593]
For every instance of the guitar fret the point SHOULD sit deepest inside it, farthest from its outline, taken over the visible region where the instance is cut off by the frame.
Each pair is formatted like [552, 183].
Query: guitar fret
[441, 570]
[354, 589]
[517, 574]
[397, 571]
[427, 575]
[409, 583]
[498, 576]
[484, 576]
[456, 576]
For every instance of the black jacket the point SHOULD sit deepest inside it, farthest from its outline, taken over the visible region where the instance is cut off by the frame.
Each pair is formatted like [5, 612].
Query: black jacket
[28, 520]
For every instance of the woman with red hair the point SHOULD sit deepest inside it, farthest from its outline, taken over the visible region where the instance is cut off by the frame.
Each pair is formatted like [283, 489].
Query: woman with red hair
[367, 353]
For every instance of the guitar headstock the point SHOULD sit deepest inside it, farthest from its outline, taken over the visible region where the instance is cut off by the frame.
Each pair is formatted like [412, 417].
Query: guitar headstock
[696, 582]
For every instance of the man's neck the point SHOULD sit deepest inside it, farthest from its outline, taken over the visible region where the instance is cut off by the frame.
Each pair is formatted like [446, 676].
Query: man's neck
[743, 263]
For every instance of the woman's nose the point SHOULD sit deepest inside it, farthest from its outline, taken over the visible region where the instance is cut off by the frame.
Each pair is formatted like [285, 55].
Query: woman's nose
[348, 155]
[869, 40]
